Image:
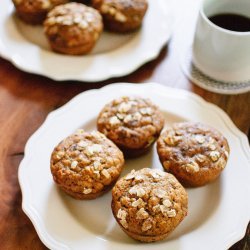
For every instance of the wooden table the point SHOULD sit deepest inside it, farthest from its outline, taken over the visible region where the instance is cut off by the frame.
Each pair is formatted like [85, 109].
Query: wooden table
[26, 99]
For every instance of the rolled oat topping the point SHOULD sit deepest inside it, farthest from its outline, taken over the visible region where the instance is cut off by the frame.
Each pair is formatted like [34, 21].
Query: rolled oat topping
[214, 155]
[122, 216]
[74, 14]
[192, 167]
[131, 122]
[142, 214]
[138, 203]
[86, 162]
[196, 145]
[147, 224]
[73, 28]
[148, 205]
[131, 175]
[122, 10]
[195, 153]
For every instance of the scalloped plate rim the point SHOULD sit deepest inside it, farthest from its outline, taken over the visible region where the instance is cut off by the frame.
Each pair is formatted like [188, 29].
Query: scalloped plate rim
[236, 235]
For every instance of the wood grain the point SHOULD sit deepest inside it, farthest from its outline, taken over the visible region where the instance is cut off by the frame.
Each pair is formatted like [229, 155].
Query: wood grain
[26, 99]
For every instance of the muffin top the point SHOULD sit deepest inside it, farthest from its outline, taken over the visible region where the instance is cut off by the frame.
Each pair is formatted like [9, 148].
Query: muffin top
[193, 147]
[86, 162]
[38, 5]
[75, 21]
[149, 202]
[132, 122]
[121, 9]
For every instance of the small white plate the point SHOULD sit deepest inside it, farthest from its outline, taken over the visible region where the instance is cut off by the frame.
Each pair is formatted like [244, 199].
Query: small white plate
[114, 55]
[218, 213]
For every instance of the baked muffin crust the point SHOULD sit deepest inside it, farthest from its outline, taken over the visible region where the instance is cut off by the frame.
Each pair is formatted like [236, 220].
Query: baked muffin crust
[35, 11]
[121, 15]
[195, 153]
[85, 165]
[73, 28]
[148, 204]
[132, 123]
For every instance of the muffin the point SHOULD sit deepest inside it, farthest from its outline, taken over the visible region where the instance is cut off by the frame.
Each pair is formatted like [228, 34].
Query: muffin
[35, 11]
[73, 28]
[121, 15]
[195, 153]
[149, 204]
[86, 165]
[132, 123]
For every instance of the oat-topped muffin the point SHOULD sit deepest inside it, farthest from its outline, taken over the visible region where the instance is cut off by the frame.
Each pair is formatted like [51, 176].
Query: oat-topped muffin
[121, 15]
[132, 123]
[73, 28]
[35, 11]
[195, 153]
[148, 204]
[85, 165]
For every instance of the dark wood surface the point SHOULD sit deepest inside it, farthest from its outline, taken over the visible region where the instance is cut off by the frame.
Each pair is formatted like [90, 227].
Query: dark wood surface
[26, 99]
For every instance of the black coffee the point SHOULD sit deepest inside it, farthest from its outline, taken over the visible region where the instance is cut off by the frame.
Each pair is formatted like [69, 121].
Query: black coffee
[232, 22]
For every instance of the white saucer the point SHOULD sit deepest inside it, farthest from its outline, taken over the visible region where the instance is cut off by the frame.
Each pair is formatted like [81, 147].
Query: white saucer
[208, 83]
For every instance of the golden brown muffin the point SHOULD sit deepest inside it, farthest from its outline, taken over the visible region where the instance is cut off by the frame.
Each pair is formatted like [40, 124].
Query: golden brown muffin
[132, 123]
[35, 11]
[86, 165]
[73, 28]
[149, 204]
[195, 153]
[121, 15]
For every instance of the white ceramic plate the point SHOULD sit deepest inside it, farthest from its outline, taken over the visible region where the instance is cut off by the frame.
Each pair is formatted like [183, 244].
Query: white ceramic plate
[114, 55]
[218, 213]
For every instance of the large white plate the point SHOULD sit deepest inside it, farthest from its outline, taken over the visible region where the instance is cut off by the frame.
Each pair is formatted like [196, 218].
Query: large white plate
[114, 55]
[218, 213]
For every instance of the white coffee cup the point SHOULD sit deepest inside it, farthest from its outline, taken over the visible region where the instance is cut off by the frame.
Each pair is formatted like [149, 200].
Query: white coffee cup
[219, 53]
